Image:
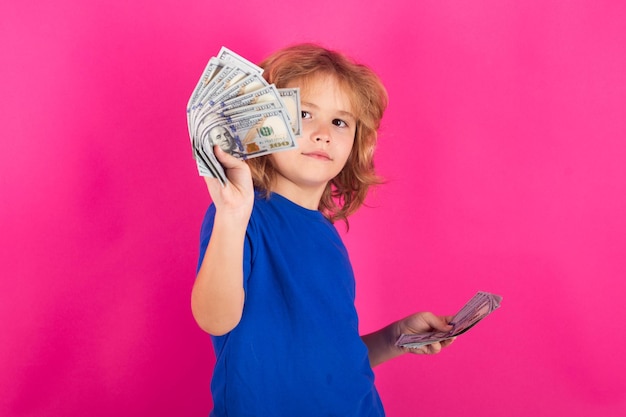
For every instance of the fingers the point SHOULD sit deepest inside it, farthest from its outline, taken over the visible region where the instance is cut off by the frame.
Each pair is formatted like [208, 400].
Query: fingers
[440, 323]
[426, 322]
[227, 160]
[438, 346]
[448, 342]
[236, 170]
[432, 349]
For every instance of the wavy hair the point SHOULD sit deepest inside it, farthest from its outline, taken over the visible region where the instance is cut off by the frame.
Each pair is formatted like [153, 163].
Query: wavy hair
[300, 63]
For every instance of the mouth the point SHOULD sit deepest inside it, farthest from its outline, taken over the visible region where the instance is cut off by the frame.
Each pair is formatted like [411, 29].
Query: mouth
[318, 155]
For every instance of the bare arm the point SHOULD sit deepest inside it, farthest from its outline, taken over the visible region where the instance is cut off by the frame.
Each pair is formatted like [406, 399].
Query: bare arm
[381, 344]
[217, 296]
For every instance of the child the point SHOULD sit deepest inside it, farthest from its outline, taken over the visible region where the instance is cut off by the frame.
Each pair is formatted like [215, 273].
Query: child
[275, 286]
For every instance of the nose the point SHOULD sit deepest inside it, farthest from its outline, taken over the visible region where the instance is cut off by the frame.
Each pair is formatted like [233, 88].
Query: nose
[321, 134]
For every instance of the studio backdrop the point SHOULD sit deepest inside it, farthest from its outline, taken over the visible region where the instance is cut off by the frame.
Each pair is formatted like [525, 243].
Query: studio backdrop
[503, 150]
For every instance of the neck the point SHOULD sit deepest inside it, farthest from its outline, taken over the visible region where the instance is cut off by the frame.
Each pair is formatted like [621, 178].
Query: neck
[306, 197]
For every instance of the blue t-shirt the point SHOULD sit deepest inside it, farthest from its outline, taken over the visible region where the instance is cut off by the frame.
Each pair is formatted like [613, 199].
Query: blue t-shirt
[297, 349]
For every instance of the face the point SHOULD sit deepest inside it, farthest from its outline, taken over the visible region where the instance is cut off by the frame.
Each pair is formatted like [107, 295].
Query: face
[222, 138]
[328, 130]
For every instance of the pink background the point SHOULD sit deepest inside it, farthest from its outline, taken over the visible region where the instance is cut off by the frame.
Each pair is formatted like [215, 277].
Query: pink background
[504, 147]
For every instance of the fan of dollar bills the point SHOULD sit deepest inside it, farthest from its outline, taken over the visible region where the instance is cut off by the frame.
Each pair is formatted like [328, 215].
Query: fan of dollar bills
[234, 108]
[476, 309]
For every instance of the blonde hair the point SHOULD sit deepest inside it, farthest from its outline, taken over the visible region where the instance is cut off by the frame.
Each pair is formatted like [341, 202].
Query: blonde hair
[345, 193]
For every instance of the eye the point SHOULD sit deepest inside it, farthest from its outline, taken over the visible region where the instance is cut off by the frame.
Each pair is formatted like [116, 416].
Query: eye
[340, 123]
[306, 114]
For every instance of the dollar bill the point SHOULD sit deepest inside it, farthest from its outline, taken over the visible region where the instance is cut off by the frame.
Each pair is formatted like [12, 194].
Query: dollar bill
[232, 75]
[232, 106]
[212, 67]
[291, 98]
[208, 91]
[476, 309]
[228, 55]
[258, 133]
[250, 83]
[252, 108]
[263, 95]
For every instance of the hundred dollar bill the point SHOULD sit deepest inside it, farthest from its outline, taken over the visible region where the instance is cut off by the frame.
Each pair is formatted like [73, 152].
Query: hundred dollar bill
[252, 108]
[212, 67]
[266, 94]
[208, 90]
[205, 160]
[248, 84]
[232, 76]
[251, 83]
[476, 309]
[228, 55]
[260, 133]
[246, 135]
[263, 95]
[227, 116]
[291, 98]
[206, 120]
[207, 163]
[232, 106]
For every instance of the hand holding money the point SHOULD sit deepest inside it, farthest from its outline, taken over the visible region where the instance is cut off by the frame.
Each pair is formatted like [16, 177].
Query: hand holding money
[233, 107]
[236, 200]
[476, 309]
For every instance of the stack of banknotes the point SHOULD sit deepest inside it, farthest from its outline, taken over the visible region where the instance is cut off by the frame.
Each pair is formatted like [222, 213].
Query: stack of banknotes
[476, 309]
[233, 107]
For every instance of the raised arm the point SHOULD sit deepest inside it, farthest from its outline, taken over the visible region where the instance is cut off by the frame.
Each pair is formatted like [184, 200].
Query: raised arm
[381, 344]
[217, 296]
